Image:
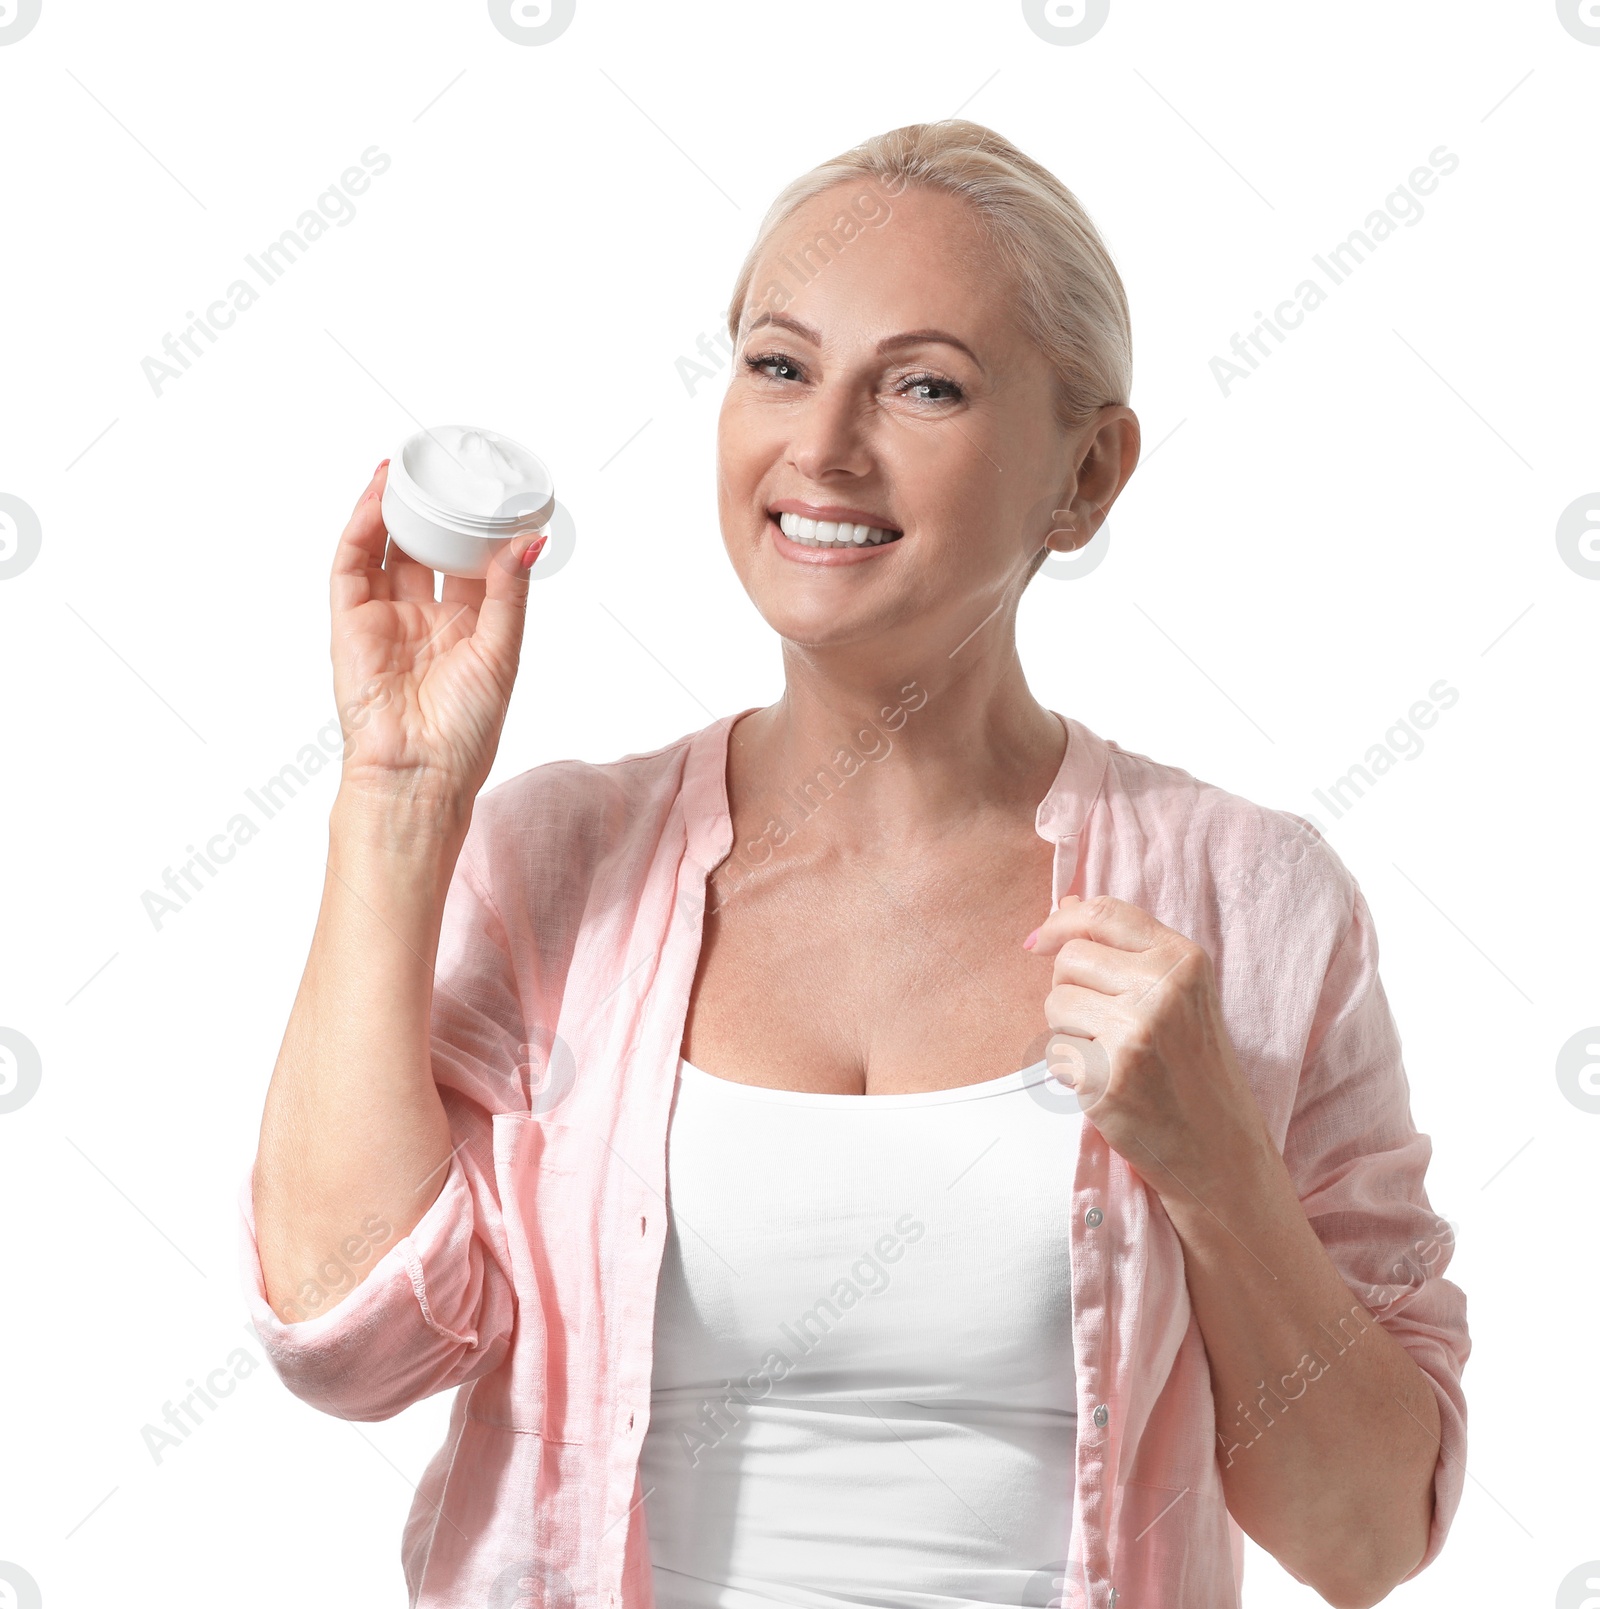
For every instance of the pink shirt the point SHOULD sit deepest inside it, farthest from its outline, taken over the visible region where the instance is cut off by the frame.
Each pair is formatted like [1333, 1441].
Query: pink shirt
[570, 940]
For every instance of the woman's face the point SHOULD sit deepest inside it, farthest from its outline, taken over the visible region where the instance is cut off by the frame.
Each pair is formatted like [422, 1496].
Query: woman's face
[895, 389]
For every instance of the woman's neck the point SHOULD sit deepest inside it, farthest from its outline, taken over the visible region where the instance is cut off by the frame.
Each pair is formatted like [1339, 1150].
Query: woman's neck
[896, 757]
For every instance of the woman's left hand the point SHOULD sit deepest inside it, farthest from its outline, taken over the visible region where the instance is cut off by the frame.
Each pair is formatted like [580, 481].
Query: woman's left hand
[1154, 1069]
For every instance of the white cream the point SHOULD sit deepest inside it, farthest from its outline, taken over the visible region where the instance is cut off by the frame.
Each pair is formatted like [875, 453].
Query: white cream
[471, 471]
[456, 494]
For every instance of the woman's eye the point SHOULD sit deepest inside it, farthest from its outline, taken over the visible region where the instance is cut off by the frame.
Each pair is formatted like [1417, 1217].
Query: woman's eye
[927, 382]
[930, 388]
[772, 360]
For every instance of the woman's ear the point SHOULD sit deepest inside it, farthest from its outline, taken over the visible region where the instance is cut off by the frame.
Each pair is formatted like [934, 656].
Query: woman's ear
[1069, 530]
[1054, 525]
[1109, 452]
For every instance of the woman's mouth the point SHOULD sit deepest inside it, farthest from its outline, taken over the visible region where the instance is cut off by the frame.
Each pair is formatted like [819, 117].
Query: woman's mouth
[829, 542]
[833, 533]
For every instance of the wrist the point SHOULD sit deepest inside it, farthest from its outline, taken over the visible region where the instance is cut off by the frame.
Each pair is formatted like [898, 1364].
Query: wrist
[406, 821]
[1243, 1176]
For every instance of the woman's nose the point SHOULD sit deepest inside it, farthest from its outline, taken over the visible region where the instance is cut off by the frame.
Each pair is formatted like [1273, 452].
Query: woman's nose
[831, 434]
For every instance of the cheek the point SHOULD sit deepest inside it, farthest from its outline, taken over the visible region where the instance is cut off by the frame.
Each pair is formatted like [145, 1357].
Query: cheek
[960, 490]
[981, 537]
[749, 442]
[729, 432]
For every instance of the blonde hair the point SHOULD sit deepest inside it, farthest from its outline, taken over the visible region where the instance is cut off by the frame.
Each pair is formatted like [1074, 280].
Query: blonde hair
[1072, 302]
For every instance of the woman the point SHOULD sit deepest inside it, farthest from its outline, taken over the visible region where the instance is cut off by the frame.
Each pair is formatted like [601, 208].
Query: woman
[672, 1108]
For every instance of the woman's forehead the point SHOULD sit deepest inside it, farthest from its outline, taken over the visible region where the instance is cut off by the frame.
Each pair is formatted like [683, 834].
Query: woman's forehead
[925, 267]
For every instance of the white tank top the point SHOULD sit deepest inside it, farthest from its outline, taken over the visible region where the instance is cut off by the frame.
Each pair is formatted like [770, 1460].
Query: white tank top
[863, 1387]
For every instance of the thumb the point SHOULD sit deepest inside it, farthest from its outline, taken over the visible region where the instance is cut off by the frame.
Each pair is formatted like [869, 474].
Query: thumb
[504, 609]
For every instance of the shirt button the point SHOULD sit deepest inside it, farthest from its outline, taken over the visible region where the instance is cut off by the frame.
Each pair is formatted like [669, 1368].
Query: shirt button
[1102, 1415]
[1094, 1217]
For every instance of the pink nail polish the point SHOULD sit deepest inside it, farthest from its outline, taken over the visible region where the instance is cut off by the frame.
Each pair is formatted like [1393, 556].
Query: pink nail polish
[534, 552]
[1028, 942]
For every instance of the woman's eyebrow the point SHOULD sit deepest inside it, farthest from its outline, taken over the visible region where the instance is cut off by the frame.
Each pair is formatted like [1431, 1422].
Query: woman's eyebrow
[887, 344]
[914, 337]
[804, 331]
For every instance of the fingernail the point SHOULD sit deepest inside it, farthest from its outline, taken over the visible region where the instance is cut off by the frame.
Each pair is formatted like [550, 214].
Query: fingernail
[534, 551]
[380, 466]
[1027, 943]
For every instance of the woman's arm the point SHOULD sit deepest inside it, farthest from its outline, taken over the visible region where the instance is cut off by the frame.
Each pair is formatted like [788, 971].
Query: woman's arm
[355, 1141]
[1333, 1444]
[353, 1131]
[1328, 1432]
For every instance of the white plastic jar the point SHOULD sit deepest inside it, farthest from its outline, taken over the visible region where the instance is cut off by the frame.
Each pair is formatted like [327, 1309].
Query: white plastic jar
[457, 494]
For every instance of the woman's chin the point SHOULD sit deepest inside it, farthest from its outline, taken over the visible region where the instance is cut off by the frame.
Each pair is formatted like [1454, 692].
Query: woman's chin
[802, 624]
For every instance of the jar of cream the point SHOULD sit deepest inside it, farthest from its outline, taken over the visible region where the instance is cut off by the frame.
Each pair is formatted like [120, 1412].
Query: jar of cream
[457, 494]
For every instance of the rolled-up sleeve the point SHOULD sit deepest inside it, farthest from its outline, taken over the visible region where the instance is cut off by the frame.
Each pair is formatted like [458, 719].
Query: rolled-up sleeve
[438, 1307]
[1358, 1163]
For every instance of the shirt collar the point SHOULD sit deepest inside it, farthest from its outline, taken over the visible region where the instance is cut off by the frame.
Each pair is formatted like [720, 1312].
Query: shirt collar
[1065, 808]
[1060, 817]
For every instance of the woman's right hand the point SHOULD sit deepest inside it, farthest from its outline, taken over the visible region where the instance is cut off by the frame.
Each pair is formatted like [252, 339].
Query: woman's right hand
[422, 686]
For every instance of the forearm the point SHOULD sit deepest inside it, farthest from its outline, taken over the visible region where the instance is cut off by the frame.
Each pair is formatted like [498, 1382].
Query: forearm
[1328, 1433]
[354, 1143]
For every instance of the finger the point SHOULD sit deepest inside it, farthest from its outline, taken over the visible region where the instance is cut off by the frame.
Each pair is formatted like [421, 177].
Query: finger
[505, 599]
[358, 572]
[1083, 1065]
[409, 579]
[1104, 919]
[460, 590]
[1101, 967]
[1069, 1008]
[379, 479]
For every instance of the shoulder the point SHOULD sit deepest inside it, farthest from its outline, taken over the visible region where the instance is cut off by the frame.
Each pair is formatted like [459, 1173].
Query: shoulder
[1262, 890]
[1251, 865]
[572, 813]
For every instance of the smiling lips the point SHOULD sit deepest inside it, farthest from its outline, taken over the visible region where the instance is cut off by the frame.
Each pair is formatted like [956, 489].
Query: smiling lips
[839, 540]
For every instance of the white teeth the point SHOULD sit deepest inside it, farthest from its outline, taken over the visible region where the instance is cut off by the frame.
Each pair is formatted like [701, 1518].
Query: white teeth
[830, 533]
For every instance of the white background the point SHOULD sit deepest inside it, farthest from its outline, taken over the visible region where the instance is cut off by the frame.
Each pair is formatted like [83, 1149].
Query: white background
[1291, 568]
